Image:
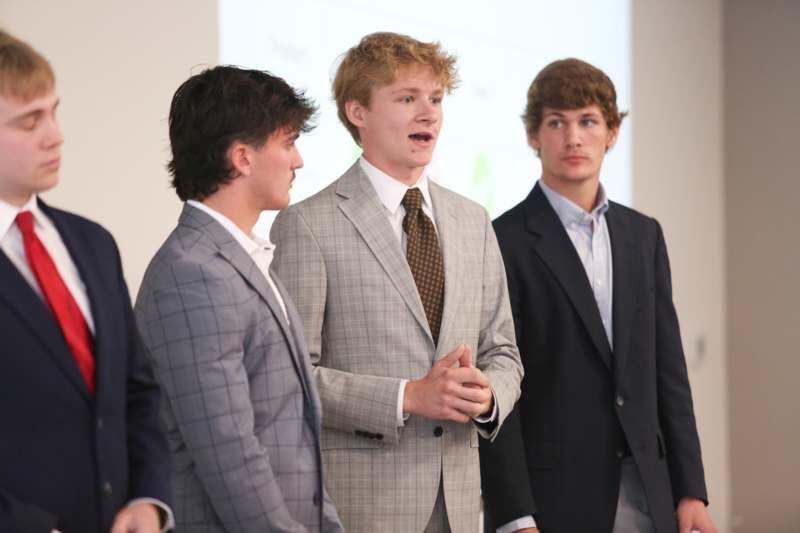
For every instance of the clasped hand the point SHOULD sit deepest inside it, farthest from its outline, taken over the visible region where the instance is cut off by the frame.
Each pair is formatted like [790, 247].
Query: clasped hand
[453, 390]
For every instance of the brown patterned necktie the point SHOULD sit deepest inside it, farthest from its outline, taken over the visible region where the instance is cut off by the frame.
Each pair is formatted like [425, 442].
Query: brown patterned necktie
[425, 259]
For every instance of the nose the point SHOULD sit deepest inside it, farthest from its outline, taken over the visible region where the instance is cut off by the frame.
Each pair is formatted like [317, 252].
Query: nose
[572, 136]
[297, 161]
[52, 136]
[428, 112]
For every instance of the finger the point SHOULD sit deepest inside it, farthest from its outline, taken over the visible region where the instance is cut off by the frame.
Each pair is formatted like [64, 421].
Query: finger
[474, 394]
[448, 413]
[469, 375]
[465, 360]
[120, 523]
[450, 359]
[471, 409]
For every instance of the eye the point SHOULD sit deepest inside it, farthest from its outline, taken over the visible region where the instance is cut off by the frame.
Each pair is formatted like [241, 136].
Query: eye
[28, 123]
[406, 99]
[554, 123]
[436, 100]
[589, 122]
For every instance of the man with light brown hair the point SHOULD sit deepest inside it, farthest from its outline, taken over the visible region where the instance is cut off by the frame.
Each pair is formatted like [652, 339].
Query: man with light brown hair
[604, 435]
[401, 289]
[82, 449]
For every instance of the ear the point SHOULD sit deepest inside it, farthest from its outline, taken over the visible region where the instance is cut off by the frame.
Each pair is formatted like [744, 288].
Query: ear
[533, 142]
[613, 135]
[356, 113]
[240, 157]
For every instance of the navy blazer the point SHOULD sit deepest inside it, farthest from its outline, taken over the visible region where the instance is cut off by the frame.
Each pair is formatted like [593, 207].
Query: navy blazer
[585, 406]
[69, 461]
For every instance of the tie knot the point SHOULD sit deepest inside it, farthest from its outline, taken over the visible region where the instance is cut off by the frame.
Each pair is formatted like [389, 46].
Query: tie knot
[412, 200]
[25, 221]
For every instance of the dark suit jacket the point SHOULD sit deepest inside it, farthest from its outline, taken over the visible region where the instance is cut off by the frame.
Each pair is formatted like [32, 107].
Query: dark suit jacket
[67, 460]
[584, 406]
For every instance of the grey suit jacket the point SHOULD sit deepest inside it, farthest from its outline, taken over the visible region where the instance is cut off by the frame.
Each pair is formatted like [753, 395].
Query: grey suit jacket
[367, 330]
[241, 410]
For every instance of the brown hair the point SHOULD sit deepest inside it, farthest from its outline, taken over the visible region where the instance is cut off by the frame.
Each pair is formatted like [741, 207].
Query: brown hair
[376, 60]
[571, 84]
[24, 73]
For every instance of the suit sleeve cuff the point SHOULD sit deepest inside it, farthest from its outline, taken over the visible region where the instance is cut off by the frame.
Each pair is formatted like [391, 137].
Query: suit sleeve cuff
[486, 419]
[166, 518]
[519, 523]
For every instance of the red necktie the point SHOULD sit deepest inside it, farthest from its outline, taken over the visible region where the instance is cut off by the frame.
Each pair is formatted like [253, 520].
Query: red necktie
[62, 304]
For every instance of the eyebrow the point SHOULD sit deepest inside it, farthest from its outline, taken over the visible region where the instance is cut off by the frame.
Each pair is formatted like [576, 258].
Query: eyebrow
[35, 112]
[559, 114]
[414, 90]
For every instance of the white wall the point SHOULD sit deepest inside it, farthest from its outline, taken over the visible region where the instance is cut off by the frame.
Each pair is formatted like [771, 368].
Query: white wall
[762, 78]
[678, 178]
[117, 65]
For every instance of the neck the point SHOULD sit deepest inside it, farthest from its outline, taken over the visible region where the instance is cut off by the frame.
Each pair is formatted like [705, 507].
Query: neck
[239, 212]
[15, 199]
[406, 175]
[582, 193]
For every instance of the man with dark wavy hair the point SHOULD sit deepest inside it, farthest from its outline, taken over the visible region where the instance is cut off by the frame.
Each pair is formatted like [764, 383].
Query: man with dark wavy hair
[604, 435]
[241, 410]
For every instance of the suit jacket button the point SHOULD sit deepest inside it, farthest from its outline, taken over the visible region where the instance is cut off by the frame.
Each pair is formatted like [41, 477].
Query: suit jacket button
[620, 401]
[437, 431]
[315, 499]
[620, 454]
[107, 489]
[100, 422]
[379, 436]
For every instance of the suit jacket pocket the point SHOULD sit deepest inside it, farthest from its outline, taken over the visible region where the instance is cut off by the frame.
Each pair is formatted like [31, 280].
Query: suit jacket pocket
[339, 440]
[543, 455]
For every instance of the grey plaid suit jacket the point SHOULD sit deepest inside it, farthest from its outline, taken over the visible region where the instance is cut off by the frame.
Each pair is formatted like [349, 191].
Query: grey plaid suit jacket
[241, 410]
[366, 329]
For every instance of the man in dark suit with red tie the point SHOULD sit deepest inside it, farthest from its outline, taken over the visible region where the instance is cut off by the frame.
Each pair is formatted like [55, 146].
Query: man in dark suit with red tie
[81, 449]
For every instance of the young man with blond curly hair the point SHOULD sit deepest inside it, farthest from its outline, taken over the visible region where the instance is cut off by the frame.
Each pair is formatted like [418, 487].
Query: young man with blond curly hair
[401, 288]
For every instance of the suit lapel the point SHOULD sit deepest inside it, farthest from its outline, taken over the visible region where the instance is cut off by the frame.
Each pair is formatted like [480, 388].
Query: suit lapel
[450, 244]
[35, 314]
[627, 277]
[302, 363]
[231, 251]
[555, 248]
[362, 207]
[87, 264]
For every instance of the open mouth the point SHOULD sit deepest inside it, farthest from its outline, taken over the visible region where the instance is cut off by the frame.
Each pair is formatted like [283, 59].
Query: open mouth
[421, 137]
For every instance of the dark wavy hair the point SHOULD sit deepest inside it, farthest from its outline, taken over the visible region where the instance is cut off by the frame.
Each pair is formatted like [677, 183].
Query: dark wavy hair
[571, 84]
[221, 105]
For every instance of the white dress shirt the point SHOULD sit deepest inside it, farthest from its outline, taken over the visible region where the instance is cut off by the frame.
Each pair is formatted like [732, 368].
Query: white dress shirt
[258, 249]
[12, 245]
[391, 193]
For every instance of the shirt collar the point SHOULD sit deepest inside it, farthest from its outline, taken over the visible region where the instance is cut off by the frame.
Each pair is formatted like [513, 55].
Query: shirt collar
[251, 243]
[391, 191]
[568, 211]
[8, 214]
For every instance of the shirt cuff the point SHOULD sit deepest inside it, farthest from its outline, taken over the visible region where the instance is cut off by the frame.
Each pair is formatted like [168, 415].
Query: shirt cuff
[167, 519]
[484, 419]
[519, 523]
[401, 395]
